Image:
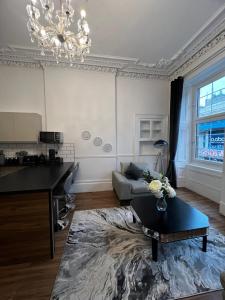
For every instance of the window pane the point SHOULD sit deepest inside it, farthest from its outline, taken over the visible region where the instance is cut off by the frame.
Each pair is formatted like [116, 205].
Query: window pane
[218, 102]
[219, 84]
[205, 90]
[205, 106]
[211, 98]
[210, 141]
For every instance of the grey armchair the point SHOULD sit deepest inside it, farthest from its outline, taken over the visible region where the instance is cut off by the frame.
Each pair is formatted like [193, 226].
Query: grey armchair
[128, 189]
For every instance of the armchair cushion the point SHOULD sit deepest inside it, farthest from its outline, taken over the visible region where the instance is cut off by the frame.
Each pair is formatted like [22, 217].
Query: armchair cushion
[133, 172]
[124, 165]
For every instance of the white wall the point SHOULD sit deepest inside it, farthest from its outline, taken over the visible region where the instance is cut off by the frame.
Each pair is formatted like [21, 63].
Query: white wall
[205, 182]
[78, 100]
[138, 97]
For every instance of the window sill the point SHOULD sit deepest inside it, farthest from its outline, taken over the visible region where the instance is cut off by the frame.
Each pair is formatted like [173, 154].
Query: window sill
[205, 170]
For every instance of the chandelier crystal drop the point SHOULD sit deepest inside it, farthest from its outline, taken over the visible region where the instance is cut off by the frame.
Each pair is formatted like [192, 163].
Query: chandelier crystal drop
[55, 34]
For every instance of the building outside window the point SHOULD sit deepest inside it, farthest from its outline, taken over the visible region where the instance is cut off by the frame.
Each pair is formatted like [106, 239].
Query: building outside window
[209, 122]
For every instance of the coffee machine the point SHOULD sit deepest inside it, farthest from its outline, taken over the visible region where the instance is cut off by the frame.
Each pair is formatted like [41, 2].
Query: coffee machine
[53, 159]
[52, 154]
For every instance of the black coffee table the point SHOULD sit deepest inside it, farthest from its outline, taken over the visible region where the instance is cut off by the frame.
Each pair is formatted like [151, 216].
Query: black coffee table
[179, 222]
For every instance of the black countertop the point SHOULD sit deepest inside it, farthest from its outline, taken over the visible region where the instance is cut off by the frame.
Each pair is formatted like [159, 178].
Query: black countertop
[9, 169]
[34, 178]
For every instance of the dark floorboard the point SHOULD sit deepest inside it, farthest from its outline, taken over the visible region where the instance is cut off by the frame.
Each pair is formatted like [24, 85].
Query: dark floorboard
[34, 281]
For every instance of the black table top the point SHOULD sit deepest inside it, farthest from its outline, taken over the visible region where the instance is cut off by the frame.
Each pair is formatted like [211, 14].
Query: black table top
[178, 217]
[34, 178]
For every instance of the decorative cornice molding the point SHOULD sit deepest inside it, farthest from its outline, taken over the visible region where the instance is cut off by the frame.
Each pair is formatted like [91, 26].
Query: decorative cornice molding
[31, 58]
[141, 75]
[210, 50]
[201, 44]
[19, 63]
[126, 67]
[205, 44]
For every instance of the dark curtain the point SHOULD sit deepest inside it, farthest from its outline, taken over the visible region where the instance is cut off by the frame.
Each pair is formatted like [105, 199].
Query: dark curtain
[175, 108]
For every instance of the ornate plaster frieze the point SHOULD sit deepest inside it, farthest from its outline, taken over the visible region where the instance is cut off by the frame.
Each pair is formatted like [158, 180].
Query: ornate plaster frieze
[31, 58]
[123, 66]
[205, 44]
[141, 75]
[81, 67]
[203, 41]
[210, 50]
[19, 63]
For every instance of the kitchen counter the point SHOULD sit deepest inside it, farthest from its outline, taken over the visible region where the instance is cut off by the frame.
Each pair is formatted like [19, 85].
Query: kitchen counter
[28, 212]
[5, 170]
[32, 178]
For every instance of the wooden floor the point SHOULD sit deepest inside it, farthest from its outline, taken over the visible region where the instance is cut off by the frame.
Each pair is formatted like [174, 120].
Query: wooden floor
[35, 281]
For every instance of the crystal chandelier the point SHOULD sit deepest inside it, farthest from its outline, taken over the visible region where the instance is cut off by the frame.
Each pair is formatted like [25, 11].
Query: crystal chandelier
[54, 34]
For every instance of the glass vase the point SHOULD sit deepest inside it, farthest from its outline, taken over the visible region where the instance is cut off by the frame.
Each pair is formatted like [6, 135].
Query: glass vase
[161, 204]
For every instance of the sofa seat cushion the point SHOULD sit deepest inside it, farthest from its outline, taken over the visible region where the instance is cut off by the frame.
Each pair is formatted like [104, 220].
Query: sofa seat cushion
[139, 186]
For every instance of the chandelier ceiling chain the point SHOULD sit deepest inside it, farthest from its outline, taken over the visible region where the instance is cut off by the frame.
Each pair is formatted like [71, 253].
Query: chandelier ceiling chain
[55, 35]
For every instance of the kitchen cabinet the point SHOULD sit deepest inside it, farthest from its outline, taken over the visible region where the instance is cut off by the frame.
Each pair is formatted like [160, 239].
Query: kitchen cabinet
[27, 212]
[6, 127]
[19, 127]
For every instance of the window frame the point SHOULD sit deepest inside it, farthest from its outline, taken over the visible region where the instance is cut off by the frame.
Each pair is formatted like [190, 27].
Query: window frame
[198, 120]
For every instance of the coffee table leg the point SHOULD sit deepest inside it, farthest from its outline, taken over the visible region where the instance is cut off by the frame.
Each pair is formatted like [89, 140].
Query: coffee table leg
[204, 243]
[154, 249]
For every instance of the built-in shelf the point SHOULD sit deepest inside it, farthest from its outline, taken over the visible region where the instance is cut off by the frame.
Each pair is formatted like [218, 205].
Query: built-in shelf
[149, 128]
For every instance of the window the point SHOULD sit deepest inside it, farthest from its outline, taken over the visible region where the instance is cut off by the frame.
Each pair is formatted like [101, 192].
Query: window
[211, 98]
[210, 122]
[210, 141]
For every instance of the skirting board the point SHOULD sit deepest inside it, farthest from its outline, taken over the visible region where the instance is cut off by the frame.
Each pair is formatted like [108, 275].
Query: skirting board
[222, 208]
[92, 186]
[180, 182]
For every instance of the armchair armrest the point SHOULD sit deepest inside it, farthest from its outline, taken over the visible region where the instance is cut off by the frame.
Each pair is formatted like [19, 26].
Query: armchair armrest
[121, 185]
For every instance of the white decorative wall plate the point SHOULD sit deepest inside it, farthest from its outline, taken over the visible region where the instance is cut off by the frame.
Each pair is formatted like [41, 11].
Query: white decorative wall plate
[97, 141]
[107, 148]
[86, 135]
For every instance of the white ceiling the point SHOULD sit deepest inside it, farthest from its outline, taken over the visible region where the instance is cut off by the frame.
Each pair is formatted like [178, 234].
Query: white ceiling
[144, 29]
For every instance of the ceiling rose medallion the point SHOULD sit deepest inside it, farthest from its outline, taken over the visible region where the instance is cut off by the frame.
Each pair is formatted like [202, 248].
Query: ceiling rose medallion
[52, 31]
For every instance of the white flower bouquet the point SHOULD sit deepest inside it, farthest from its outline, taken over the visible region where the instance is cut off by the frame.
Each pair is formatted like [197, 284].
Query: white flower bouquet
[162, 188]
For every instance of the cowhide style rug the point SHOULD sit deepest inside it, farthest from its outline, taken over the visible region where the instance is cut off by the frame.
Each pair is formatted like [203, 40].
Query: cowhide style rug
[107, 257]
